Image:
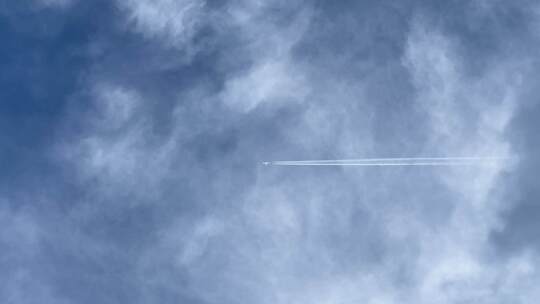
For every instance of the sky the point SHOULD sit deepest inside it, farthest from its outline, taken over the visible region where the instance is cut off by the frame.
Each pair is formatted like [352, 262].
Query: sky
[132, 136]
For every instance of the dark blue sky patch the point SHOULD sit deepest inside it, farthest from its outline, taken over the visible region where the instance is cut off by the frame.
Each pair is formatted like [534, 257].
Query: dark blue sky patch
[42, 60]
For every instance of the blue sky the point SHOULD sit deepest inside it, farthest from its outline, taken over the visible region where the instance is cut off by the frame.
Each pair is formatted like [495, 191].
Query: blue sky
[132, 134]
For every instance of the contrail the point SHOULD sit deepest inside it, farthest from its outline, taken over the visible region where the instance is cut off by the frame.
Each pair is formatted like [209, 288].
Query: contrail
[398, 161]
[379, 164]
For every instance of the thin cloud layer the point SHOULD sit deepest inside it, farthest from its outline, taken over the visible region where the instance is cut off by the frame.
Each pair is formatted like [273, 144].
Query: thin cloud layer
[150, 188]
[174, 21]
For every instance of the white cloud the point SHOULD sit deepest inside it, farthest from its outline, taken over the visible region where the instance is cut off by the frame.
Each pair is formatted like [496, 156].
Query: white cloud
[118, 148]
[267, 82]
[468, 116]
[173, 21]
[273, 76]
[283, 239]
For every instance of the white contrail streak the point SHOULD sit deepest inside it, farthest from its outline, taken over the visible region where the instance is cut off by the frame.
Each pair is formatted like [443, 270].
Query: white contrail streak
[399, 161]
[381, 164]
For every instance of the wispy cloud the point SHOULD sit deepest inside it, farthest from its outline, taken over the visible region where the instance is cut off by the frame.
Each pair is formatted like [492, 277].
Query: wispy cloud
[159, 194]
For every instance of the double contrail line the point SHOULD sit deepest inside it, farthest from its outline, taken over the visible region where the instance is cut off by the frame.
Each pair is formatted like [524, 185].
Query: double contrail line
[396, 161]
